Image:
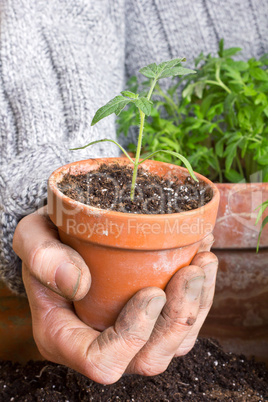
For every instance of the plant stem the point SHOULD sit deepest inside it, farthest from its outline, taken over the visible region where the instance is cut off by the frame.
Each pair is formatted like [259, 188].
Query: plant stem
[136, 163]
[138, 152]
[239, 166]
[219, 84]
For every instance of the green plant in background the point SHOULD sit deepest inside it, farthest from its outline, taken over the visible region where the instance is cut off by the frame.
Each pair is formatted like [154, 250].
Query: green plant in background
[143, 105]
[220, 121]
[261, 208]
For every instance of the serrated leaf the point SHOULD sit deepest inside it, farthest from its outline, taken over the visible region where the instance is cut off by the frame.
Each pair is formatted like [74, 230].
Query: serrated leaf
[144, 105]
[130, 94]
[115, 105]
[238, 65]
[165, 65]
[149, 71]
[176, 71]
[259, 74]
[231, 51]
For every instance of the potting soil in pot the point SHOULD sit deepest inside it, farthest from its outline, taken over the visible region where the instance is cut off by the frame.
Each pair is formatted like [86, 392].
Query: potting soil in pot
[207, 373]
[109, 188]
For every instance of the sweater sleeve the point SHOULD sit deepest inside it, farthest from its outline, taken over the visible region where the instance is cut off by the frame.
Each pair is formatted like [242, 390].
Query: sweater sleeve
[59, 62]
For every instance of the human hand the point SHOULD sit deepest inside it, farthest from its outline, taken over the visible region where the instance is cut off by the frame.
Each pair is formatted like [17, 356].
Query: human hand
[152, 328]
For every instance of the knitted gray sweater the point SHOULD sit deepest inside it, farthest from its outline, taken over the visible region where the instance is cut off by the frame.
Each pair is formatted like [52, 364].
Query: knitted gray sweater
[57, 56]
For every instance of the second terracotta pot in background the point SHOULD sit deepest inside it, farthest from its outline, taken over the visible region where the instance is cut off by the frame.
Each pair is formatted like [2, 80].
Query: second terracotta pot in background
[238, 318]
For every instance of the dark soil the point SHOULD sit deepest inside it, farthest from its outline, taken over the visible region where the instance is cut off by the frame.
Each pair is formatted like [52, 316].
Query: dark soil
[207, 373]
[109, 188]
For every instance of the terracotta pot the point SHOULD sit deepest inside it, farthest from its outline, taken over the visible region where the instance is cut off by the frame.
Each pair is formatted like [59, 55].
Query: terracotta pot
[16, 338]
[235, 226]
[242, 280]
[126, 252]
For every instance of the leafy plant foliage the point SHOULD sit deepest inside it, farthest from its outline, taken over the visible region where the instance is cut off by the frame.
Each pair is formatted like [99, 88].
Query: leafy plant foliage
[220, 121]
[143, 105]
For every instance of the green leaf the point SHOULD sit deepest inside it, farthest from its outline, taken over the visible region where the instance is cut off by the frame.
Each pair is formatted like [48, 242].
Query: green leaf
[175, 71]
[188, 91]
[238, 65]
[261, 98]
[165, 69]
[234, 177]
[169, 64]
[231, 51]
[259, 74]
[149, 71]
[115, 105]
[249, 91]
[206, 102]
[104, 140]
[144, 105]
[179, 156]
[264, 59]
[219, 147]
[263, 160]
[262, 208]
[221, 48]
[130, 94]
[230, 154]
[199, 88]
[264, 222]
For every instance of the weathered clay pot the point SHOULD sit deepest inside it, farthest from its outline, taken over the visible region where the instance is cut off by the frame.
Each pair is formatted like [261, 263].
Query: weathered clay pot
[126, 252]
[235, 227]
[16, 337]
[242, 280]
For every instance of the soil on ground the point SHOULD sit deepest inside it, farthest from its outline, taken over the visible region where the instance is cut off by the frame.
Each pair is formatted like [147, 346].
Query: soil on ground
[207, 373]
[109, 188]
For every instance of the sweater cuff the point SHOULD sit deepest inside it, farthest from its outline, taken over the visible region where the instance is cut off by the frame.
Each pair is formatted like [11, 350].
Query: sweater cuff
[23, 189]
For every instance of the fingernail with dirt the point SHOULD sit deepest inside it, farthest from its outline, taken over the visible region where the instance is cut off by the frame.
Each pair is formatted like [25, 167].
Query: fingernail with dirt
[67, 279]
[194, 288]
[155, 306]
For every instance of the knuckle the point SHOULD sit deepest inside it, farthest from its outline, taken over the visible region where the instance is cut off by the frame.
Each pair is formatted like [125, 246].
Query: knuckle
[146, 368]
[186, 346]
[184, 350]
[175, 319]
[40, 341]
[134, 341]
[96, 369]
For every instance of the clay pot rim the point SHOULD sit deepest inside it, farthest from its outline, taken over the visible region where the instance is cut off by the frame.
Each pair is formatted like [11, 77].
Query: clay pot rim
[58, 173]
[241, 185]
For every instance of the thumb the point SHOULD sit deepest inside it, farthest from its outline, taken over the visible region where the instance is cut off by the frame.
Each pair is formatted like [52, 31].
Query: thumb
[55, 265]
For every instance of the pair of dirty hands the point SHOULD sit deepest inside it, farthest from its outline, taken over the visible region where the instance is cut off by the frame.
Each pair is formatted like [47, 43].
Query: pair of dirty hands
[153, 327]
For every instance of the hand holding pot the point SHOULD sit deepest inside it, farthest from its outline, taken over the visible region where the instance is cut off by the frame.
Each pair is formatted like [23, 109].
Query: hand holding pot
[152, 328]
